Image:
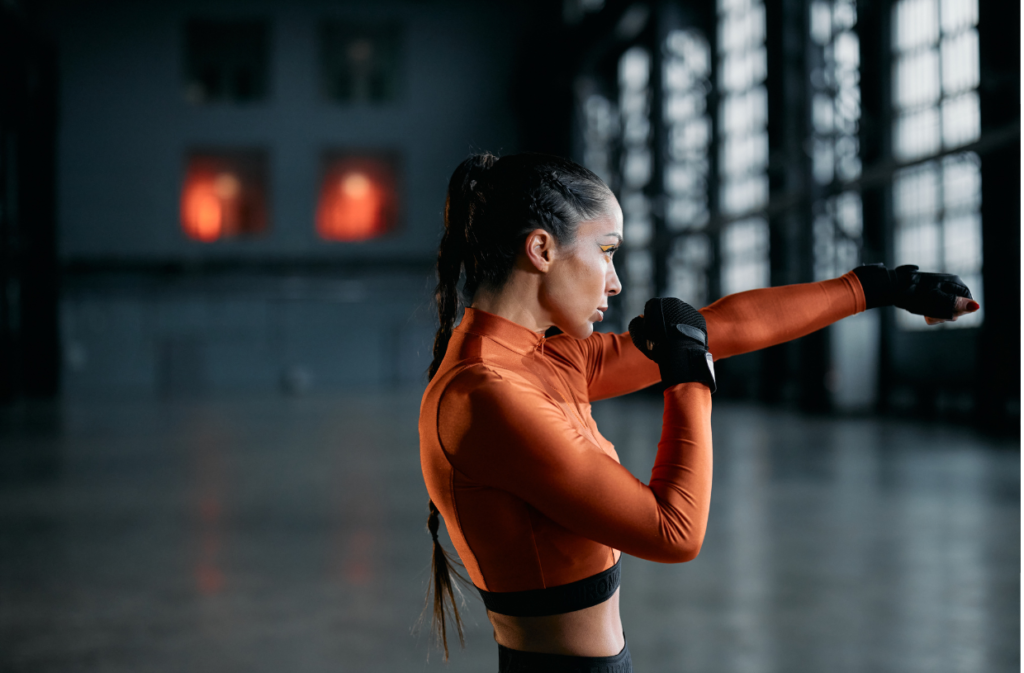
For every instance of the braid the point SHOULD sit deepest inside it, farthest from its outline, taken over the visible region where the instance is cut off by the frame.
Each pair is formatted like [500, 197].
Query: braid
[444, 589]
[449, 267]
[452, 256]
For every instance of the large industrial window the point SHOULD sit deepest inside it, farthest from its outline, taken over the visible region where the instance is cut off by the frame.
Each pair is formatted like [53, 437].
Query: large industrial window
[225, 61]
[686, 73]
[835, 119]
[937, 203]
[743, 145]
[636, 171]
[360, 63]
[224, 194]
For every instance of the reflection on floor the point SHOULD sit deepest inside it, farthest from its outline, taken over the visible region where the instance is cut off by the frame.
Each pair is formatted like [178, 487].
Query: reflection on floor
[288, 535]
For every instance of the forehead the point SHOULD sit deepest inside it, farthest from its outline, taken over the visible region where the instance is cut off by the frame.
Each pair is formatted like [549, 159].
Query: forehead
[608, 223]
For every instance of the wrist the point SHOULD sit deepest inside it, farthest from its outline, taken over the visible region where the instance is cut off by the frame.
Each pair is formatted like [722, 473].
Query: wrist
[687, 364]
[878, 284]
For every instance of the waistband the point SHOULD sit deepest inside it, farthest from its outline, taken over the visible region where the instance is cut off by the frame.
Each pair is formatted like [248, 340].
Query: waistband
[584, 593]
[517, 661]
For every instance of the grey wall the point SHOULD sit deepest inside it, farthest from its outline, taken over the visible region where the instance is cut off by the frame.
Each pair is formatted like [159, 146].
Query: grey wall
[340, 314]
[198, 336]
[125, 124]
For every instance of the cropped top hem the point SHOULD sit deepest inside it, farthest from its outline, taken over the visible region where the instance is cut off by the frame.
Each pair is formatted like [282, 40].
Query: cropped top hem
[578, 595]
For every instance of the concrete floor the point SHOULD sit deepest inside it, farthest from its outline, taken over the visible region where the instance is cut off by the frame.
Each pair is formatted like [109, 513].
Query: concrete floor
[286, 534]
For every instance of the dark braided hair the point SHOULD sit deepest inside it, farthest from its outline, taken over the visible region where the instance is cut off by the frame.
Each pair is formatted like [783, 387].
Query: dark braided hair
[492, 206]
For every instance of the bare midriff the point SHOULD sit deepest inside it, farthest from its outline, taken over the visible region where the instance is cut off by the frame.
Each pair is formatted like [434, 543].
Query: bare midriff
[592, 632]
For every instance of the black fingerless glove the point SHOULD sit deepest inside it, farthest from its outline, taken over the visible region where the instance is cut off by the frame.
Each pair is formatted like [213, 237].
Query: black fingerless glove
[675, 335]
[930, 294]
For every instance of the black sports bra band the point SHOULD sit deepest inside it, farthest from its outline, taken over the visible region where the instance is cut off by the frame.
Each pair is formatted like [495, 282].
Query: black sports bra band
[584, 593]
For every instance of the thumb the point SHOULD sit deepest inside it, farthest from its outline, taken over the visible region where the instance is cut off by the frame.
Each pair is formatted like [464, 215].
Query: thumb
[966, 305]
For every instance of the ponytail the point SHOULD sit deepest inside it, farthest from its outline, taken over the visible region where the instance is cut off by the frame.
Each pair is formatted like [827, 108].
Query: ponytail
[459, 208]
[451, 258]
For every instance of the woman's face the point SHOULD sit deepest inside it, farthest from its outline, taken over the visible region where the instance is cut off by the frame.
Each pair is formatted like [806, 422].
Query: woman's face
[577, 287]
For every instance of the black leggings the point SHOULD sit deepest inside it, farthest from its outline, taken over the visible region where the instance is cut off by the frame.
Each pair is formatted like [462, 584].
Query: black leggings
[517, 661]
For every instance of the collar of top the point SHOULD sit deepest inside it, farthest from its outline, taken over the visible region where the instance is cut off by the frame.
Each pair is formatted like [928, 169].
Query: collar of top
[511, 335]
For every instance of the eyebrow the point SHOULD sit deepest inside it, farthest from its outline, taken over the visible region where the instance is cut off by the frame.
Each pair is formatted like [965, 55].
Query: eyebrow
[616, 235]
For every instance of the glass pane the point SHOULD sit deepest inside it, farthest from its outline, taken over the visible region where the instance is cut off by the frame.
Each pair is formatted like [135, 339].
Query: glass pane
[917, 134]
[961, 120]
[962, 242]
[958, 14]
[960, 62]
[917, 79]
[744, 195]
[634, 68]
[916, 24]
[360, 63]
[919, 244]
[961, 184]
[358, 197]
[916, 192]
[224, 194]
[226, 61]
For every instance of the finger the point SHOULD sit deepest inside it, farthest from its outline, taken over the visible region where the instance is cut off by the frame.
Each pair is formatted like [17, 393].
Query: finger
[638, 333]
[933, 321]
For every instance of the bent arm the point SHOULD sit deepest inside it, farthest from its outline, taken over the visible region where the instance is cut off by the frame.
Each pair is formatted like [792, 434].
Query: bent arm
[521, 442]
[749, 321]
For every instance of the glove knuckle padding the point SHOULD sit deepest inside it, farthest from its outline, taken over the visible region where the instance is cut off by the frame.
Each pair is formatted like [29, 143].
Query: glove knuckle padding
[930, 294]
[662, 315]
[678, 333]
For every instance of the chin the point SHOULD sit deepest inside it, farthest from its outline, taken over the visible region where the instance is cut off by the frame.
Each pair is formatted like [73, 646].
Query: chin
[580, 331]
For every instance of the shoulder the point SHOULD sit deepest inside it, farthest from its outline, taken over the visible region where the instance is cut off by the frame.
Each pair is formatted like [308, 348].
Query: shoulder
[480, 386]
[569, 349]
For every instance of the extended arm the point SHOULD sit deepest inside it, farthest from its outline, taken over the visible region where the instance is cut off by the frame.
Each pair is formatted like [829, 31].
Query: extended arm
[517, 440]
[738, 323]
[756, 319]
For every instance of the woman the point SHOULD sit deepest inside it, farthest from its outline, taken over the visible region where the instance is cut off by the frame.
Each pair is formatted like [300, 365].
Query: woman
[533, 496]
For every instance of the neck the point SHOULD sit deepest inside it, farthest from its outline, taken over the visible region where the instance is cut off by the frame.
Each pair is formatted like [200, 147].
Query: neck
[514, 302]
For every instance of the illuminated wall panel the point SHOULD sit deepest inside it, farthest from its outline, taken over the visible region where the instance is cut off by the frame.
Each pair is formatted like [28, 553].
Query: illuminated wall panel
[224, 195]
[358, 197]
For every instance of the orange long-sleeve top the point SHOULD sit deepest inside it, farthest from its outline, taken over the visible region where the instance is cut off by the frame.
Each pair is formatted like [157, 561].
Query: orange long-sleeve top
[531, 493]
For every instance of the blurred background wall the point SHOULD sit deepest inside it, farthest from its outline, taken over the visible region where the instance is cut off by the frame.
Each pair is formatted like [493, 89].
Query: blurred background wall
[212, 197]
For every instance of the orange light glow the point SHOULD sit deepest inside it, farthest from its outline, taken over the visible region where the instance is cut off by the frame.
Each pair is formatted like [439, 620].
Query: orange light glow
[358, 199]
[202, 210]
[353, 210]
[224, 195]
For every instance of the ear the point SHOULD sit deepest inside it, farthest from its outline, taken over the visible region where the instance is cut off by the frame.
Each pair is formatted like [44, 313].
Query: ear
[540, 249]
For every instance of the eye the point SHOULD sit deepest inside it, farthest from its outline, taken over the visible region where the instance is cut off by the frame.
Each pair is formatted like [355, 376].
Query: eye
[609, 249]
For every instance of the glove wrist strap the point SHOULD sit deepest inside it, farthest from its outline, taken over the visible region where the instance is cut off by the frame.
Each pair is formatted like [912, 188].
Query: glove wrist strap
[688, 365]
[878, 284]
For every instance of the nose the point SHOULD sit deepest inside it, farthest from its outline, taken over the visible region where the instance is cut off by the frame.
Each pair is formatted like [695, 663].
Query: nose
[613, 286]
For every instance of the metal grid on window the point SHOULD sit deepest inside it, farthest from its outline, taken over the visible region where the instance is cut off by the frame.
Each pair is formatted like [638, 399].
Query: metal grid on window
[835, 120]
[937, 203]
[743, 144]
[635, 172]
[686, 73]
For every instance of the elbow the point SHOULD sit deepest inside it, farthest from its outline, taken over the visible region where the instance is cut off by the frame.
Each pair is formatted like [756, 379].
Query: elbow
[680, 550]
[686, 552]
[681, 534]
